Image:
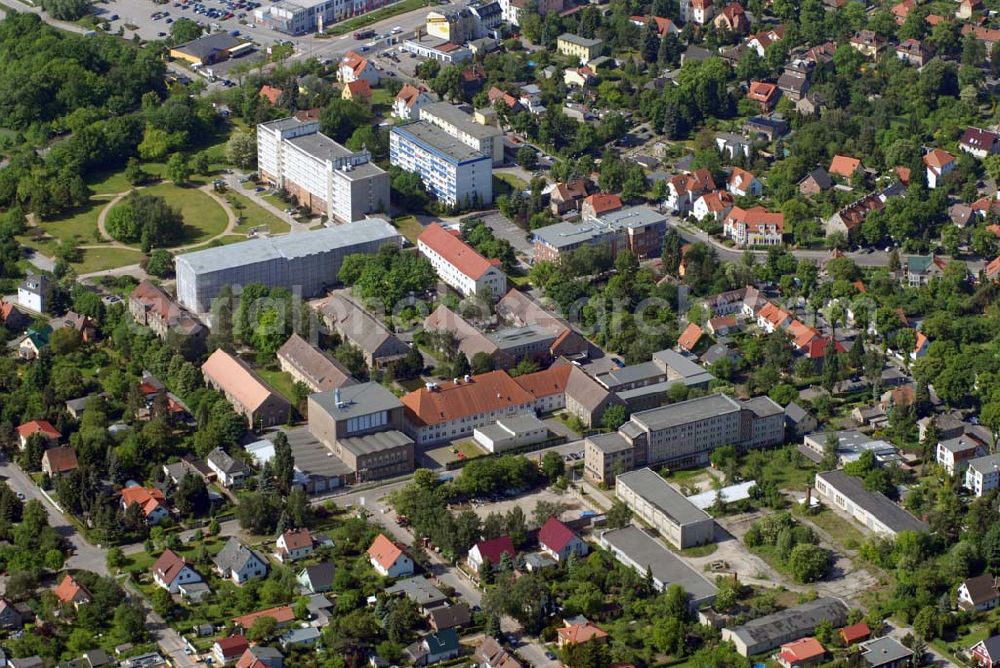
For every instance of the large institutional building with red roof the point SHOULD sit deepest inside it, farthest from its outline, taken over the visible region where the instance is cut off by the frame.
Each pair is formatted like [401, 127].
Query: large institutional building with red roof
[459, 265]
[250, 396]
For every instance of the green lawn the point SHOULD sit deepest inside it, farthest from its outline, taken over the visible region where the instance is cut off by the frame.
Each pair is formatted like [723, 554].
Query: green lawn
[470, 449]
[100, 259]
[842, 530]
[203, 217]
[280, 381]
[376, 16]
[254, 215]
[511, 180]
[409, 227]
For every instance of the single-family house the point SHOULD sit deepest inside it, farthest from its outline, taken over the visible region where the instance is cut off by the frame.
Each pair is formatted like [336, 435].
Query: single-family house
[294, 545]
[354, 66]
[388, 558]
[59, 460]
[71, 592]
[491, 552]
[979, 593]
[406, 106]
[559, 541]
[802, 652]
[317, 578]
[939, 164]
[171, 571]
[578, 634]
[228, 650]
[986, 652]
[43, 428]
[150, 500]
[239, 563]
[229, 471]
[743, 183]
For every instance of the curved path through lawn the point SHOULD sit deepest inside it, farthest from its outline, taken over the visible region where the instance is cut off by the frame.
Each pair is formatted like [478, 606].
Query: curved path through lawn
[232, 222]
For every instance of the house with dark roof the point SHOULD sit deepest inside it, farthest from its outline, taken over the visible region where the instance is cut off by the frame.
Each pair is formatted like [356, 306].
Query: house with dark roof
[885, 652]
[239, 563]
[491, 552]
[10, 616]
[421, 591]
[309, 365]
[229, 471]
[353, 323]
[317, 578]
[979, 593]
[559, 541]
[433, 647]
[986, 652]
[261, 656]
[13, 318]
[449, 617]
[815, 182]
[979, 143]
[491, 654]
[207, 49]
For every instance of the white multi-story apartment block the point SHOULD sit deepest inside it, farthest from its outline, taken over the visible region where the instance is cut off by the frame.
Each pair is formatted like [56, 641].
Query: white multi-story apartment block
[954, 454]
[459, 265]
[487, 139]
[452, 171]
[983, 474]
[320, 173]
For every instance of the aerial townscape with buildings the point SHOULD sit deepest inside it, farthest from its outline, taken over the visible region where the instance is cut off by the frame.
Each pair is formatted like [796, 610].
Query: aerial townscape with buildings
[502, 333]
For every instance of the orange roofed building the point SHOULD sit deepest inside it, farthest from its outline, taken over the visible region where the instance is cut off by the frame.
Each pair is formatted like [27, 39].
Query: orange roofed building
[598, 204]
[71, 592]
[690, 337]
[844, 166]
[249, 395]
[43, 428]
[754, 227]
[150, 500]
[459, 265]
[801, 652]
[388, 559]
[765, 94]
[577, 634]
[283, 615]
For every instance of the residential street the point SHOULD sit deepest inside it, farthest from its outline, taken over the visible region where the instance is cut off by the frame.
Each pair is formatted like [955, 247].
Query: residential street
[90, 557]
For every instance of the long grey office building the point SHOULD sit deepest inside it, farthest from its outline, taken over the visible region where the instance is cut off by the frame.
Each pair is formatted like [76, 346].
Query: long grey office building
[665, 509]
[307, 262]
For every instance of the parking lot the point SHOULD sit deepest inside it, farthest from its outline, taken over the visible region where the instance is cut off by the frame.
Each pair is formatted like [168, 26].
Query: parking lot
[504, 229]
[526, 502]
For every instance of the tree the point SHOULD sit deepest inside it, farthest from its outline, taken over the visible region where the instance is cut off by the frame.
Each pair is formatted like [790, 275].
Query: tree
[482, 363]
[241, 149]
[191, 496]
[553, 465]
[340, 118]
[115, 559]
[618, 515]
[178, 169]
[614, 417]
[808, 562]
[134, 172]
[67, 10]
[161, 263]
[527, 158]
[650, 42]
[283, 464]
[184, 30]
[263, 628]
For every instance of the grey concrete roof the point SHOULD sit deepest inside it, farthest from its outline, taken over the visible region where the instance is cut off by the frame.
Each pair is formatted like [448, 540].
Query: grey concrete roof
[763, 406]
[609, 443]
[961, 444]
[206, 45]
[686, 411]
[666, 568]
[319, 146]
[289, 247]
[453, 115]
[284, 123]
[657, 492]
[435, 138]
[985, 465]
[234, 555]
[383, 440]
[631, 374]
[576, 39]
[419, 589]
[513, 337]
[874, 503]
[800, 620]
[885, 650]
[359, 399]
[314, 458]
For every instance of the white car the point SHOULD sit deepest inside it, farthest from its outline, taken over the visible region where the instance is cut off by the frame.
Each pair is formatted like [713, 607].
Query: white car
[396, 31]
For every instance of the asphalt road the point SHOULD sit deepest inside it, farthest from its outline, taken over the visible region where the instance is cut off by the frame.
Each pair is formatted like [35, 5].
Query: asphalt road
[87, 556]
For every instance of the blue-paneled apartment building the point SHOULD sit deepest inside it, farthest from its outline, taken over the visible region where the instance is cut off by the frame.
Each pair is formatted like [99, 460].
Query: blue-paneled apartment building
[453, 172]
